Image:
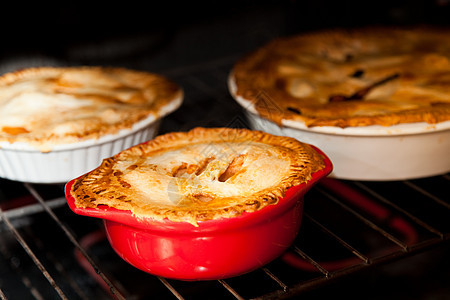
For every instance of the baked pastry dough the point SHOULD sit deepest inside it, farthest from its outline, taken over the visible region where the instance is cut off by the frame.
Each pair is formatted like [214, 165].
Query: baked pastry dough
[199, 175]
[319, 79]
[50, 106]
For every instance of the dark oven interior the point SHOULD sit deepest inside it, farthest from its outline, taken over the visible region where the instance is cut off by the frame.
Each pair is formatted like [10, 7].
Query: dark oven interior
[360, 240]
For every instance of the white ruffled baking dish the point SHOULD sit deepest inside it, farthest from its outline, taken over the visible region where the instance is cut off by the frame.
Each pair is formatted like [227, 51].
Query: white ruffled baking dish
[399, 152]
[26, 163]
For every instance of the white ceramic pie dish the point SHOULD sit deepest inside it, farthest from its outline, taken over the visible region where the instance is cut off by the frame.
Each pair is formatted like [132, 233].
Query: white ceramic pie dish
[377, 153]
[24, 162]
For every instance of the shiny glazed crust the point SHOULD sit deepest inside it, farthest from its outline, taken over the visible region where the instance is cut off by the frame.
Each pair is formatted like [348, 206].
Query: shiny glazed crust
[199, 175]
[51, 106]
[295, 78]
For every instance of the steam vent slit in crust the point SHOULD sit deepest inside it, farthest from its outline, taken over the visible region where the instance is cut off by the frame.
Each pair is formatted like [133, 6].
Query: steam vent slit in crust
[200, 175]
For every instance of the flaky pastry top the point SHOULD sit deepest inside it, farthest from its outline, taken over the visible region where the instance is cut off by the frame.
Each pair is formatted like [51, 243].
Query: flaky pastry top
[199, 175]
[49, 106]
[319, 78]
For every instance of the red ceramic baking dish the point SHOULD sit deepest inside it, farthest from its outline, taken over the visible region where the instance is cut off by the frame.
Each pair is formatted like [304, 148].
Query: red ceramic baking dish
[215, 249]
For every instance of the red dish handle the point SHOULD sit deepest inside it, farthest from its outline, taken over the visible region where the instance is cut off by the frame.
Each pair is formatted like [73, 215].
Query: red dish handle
[101, 212]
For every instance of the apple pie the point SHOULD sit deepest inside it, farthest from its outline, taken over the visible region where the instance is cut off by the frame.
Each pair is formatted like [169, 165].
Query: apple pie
[202, 174]
[345, 78]
[50, 106]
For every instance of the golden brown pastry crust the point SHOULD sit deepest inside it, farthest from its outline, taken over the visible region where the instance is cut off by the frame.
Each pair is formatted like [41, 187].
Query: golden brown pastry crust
[50, 105]
[293, 78]
[199, 175]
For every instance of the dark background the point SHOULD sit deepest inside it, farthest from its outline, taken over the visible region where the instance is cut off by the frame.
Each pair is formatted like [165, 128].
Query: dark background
[165, 34]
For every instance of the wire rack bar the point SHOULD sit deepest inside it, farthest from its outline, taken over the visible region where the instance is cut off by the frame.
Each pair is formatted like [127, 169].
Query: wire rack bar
[32, 208]
[57, 264]
[427, 194]
[231, 290]
[31, 254]
[171, 288]
[384, 200]
[311, 261]
[113, 289]
[365, 220]
[283, 286]
[337, 238]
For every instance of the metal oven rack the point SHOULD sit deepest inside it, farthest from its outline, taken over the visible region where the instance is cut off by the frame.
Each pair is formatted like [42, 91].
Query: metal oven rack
[349, 229]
